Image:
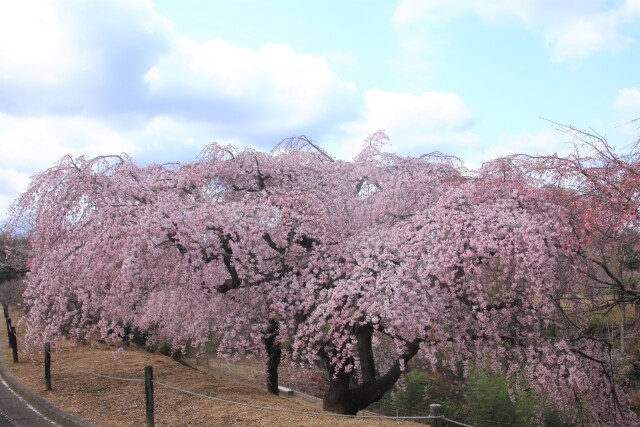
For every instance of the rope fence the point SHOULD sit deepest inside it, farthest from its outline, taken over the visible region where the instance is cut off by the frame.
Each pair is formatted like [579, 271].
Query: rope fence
[274, 408]
[434, 407]
[250, 372]
[281, 410]
[435, 418]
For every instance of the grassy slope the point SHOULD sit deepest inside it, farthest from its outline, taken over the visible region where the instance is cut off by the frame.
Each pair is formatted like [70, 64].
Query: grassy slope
[109, 402]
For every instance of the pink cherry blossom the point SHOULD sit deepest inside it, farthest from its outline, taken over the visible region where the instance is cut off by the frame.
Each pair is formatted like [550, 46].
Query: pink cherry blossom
[294, 255]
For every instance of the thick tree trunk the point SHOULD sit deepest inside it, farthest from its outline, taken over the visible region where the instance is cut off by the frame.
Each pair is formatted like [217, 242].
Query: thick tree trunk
[338, 398]
[274, 355]
[347, 399]
[272, 372]
[364, 336]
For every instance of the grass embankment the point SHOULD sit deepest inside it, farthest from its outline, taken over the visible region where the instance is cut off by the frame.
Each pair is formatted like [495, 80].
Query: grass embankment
[79, 389]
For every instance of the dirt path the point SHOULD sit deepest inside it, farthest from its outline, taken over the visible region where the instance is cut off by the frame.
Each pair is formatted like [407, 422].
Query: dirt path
[91, 383]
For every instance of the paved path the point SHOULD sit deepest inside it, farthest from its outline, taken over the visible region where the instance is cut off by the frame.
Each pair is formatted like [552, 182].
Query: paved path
[14, 411]
[21, 407]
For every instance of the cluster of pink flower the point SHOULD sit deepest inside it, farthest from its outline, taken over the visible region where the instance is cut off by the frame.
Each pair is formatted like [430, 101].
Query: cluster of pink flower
[294, 256]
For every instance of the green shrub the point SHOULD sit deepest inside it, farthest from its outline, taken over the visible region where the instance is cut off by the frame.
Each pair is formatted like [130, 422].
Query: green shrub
[166, 349]
[634, 370]
[598, 327]
[488, 402]
[482, 399]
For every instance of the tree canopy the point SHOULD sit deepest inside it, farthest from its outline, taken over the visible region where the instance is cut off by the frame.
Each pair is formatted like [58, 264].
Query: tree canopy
[293, 254]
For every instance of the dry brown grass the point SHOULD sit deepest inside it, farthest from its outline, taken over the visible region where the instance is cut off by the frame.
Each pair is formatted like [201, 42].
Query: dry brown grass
[79, 390]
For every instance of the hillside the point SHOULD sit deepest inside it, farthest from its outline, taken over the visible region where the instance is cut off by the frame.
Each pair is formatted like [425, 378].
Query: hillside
[85, 384]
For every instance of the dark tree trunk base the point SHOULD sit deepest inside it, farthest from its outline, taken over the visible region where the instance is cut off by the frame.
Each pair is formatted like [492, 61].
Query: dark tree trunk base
[274, 355]
[346, 398]
[339, 399]
[272, 375]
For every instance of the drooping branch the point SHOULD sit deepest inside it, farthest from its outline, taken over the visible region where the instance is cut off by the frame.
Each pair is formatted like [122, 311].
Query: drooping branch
[301, 143]
[267, 238]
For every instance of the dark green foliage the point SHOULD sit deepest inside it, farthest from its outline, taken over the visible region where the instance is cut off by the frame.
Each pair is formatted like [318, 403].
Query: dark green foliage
[14, 253]
[211, 347]
[138, 336]
[487, 402]
[481, 400]
[413, 395]
[166, 349]
[630, 258]
[410, 400]
[634, 371]
[598, 327]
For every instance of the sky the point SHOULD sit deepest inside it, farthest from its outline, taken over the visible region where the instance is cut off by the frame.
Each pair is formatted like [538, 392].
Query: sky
[160, 79]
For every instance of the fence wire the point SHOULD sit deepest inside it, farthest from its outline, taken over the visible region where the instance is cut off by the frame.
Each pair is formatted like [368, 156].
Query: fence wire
[363, 414]
[249, 371]
[273, 408]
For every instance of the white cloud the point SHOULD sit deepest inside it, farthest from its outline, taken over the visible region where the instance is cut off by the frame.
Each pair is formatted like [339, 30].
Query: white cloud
[30, 145]
[628, 101]
[571, 29]
[75, 57]
[61, 57]
[527, 11]
[34, 143]
[290, 89]
[110, 77]
[167, 138]
[627, 111]
[33, 45]
[341, 58]
[432, 110]
[542, 142]
[13, 181]
[589, 35]
[437, 121]
[416, 124]
[5, 203]
[53, 42]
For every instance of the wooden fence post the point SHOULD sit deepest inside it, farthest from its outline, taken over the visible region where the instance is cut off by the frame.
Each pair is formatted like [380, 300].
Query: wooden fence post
[148, 394]
[9, 331]
[5, 308]
[622, 319]
[436, 415]
[47, 366]
[14, 342]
